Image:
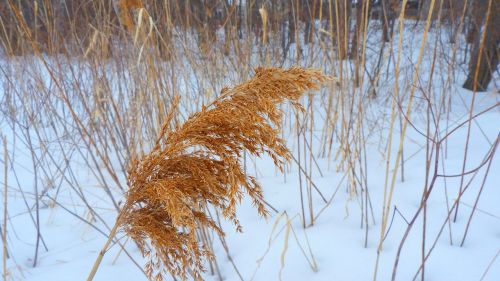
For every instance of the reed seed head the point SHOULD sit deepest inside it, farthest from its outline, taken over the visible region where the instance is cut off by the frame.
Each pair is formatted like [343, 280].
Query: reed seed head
[197, 165]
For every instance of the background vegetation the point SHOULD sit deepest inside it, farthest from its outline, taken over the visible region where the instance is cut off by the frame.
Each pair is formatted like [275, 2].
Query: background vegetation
[89, 84]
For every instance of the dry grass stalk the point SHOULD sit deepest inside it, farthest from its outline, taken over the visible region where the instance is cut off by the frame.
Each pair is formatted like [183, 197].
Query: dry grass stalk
[198, 165]
[4, 229]
[264, 16]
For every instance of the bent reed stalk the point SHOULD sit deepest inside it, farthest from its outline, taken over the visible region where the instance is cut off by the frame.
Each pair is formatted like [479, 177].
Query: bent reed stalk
[197, 165]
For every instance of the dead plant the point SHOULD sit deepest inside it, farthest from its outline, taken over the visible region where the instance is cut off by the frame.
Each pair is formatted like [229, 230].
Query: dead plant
[197, 165]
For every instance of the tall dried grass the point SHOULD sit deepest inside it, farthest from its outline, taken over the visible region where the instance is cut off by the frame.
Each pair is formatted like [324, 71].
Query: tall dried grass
[97, 113]
[197, 165]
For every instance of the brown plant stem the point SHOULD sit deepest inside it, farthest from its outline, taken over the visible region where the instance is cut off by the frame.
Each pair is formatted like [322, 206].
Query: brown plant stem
[4, 229]
[105, 248]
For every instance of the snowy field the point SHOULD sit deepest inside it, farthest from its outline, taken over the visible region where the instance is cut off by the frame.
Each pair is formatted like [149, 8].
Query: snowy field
[343, 241]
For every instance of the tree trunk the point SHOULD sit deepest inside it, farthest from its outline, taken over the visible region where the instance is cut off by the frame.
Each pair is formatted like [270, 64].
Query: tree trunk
[388, 17]
[484, 62]
[342, 14]
[360, 27]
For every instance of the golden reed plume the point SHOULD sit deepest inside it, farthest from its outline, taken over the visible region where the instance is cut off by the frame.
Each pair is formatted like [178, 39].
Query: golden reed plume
[198, 165]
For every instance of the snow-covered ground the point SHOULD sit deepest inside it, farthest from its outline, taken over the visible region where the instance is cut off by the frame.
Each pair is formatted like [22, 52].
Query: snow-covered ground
[279, 247]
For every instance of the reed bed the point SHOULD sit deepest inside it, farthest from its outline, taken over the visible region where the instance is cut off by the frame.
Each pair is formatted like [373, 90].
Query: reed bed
[87, 90]
[197, 165]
